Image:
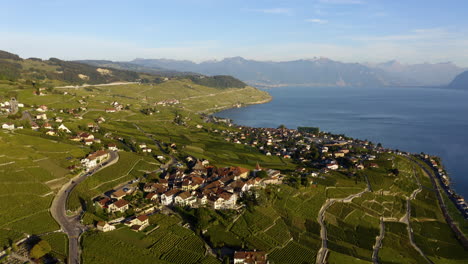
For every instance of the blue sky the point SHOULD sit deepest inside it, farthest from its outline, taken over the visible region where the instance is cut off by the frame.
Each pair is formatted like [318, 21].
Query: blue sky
[411, 31]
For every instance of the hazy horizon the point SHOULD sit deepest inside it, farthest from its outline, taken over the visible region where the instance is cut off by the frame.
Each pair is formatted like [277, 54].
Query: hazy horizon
[342, 30]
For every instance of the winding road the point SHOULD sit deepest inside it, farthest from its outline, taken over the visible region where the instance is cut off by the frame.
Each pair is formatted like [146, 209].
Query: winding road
[71, 225]
[323, 251]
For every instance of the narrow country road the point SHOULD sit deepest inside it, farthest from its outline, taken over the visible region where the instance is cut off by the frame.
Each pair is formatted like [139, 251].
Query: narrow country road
[407, 218]
[71, 225]
[378, 242]
[323, 251]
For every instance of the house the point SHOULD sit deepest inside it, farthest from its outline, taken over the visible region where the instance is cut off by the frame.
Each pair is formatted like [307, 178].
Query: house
[112, 147]
[167, 198]
[42, 109]
[47, 126]
[58, 119]
[8, 126]
[88, 142]
[119, 194]
[118, 206]
[339, 154]
[141, 222]
[250, 257]
[34, 126]
[185, 199]
[85, 136]
[104, 226]
[95, 158]
[332, 166]
[242, 172]
[225, 201]
[63, 128]
[41, 117]
[51, 133]
[142, 145]
[101, 120]
[103, 202]
[152, 196]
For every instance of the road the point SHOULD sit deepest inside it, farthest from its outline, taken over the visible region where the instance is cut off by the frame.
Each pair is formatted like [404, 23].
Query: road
[323, 251]
[378, 242]
[448, 218]
[71, 225]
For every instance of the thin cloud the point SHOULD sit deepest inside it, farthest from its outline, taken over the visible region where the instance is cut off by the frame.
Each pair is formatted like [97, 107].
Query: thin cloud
[342, 2]
[275, 11]
[317, 20]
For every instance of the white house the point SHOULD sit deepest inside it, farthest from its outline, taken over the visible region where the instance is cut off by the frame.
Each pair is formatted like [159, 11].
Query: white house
[185, 199]
[63, 128]
[167, 198]
[8, 126]
[94, 159]
[225, 201]
[119, 206]
[104, 226]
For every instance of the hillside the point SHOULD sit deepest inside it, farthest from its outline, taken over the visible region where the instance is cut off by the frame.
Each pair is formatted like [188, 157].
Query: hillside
[55, 72]
[170, 184]
[460, 82]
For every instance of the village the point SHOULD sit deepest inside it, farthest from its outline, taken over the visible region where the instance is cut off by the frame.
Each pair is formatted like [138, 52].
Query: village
[191, 182]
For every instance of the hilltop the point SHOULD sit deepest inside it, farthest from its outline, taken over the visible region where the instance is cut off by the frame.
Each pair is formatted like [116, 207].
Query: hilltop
[460, 81]
[56, 72]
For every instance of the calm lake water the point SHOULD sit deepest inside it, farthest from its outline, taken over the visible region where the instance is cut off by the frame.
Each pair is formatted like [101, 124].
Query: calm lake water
[429, 120]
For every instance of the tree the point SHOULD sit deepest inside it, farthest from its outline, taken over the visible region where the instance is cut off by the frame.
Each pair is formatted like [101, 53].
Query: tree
[40, 249]
[261, 174]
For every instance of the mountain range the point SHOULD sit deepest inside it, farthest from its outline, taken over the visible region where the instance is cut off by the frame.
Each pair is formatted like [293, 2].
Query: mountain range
[310, 72]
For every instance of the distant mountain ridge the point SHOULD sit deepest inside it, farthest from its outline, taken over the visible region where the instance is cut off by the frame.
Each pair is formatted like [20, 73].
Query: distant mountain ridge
[460, 82]
[316, 72]
[425, 74]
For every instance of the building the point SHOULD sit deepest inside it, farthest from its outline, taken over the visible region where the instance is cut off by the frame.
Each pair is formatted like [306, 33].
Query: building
[185, 199]
[250, 257]
[119, 206]
[8, 126]
[167, 198]
[95, 158]
[112, 147]
[104, 226]
[63, 128]
[225, 201]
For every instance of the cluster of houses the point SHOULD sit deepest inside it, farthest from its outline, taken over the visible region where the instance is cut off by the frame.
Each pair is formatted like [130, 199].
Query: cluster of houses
[459, 201]
[40, 92]
[323, 152]
[10, 107]
[116, 107]
[250, 257]
[202, 185]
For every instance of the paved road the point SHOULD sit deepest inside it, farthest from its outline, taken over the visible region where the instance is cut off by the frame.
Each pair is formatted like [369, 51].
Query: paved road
[71, 225]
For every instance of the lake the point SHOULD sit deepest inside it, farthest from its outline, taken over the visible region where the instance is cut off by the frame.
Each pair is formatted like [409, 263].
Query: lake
[429, 120]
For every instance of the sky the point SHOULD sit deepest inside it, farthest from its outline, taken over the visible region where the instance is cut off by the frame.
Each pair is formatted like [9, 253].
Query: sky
[410, 31]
